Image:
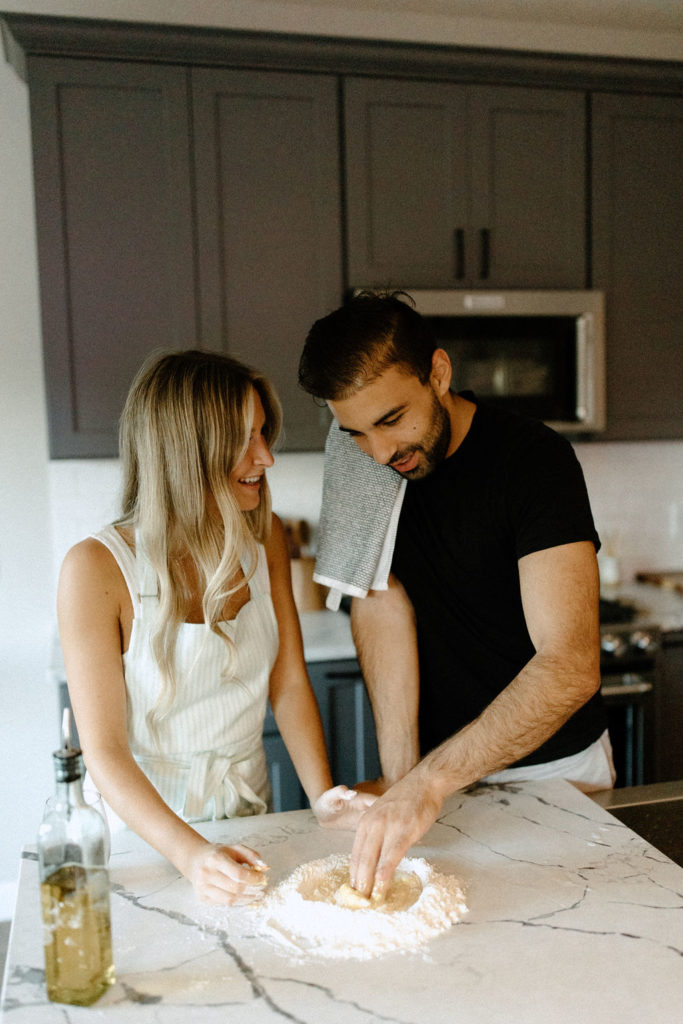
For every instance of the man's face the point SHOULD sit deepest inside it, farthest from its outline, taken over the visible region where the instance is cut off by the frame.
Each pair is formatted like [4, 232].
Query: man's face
[398, 421]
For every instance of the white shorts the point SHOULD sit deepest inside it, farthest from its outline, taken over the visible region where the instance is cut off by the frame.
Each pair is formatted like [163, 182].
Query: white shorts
[589, 770]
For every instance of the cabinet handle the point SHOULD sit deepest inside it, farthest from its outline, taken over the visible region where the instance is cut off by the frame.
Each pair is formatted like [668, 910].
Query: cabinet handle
[459, 251]
[485, 239]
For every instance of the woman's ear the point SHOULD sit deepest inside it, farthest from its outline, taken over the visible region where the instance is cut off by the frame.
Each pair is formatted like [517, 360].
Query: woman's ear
[442, 372]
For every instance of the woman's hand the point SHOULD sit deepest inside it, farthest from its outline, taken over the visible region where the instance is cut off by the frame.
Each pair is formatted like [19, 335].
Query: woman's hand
[341, 807]
[227, 875]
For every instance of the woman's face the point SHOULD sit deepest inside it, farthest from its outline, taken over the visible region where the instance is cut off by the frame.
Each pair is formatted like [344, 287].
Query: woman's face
[247, 476]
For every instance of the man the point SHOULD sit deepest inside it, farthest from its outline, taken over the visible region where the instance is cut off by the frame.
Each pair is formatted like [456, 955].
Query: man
[496, 551]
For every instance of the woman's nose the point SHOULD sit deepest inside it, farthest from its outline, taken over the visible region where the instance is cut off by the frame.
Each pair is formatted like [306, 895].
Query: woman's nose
[263, 455]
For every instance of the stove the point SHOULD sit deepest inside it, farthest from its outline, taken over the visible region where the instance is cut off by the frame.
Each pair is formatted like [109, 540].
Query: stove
[625, 648]
[612, 611]
[629, 653]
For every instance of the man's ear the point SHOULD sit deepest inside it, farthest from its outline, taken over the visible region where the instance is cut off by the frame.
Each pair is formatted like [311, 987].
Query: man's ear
[442, 372]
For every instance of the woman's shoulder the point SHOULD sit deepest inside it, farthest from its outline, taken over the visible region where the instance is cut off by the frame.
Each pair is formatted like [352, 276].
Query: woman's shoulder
[94, 556]
[115, 535]
[92, 592]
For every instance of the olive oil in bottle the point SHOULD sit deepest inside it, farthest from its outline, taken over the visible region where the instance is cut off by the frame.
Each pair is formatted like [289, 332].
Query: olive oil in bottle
[74, 888]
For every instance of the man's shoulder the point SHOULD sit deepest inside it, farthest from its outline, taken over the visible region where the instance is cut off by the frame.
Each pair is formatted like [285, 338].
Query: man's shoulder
[509, 434]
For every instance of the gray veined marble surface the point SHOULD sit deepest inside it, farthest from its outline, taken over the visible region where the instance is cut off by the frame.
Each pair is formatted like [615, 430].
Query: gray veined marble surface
[572, 918]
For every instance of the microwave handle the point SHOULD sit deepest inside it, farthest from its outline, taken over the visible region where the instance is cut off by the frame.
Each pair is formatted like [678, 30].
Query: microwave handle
[584, 392]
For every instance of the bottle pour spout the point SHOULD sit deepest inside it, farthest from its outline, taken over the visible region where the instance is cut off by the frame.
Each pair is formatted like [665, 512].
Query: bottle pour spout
[67, 759]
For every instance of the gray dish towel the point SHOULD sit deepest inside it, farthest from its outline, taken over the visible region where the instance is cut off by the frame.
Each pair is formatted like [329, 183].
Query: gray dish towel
[358, 520]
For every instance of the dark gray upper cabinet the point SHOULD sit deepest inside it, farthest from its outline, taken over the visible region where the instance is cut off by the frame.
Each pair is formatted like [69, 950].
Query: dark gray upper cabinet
[142, 247]
[268, 223]
[191, 188]
[113, 208]
[462, 185]
[637, 260]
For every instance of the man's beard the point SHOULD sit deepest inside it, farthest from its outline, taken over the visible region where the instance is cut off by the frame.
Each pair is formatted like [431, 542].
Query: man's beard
[433, 445]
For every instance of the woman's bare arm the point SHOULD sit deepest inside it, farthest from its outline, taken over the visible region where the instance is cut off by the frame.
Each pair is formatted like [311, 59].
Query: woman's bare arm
[293, 701]
[94, 619]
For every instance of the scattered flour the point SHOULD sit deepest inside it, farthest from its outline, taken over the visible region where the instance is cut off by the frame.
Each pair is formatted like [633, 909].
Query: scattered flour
[306, 913]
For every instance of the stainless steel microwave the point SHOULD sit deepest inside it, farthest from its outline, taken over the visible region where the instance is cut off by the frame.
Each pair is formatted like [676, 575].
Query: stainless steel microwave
[541, 353]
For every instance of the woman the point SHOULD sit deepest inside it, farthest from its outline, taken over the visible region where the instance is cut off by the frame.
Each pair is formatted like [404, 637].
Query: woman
[177, 623]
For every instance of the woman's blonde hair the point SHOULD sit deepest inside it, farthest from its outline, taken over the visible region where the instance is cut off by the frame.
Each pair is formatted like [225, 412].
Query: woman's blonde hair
[185, 426]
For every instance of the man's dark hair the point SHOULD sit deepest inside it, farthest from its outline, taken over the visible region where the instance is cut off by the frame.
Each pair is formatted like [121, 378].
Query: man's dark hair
[352, 346]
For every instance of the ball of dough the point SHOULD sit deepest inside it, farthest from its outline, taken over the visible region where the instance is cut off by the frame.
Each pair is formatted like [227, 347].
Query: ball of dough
[404, 890]
[347, 896]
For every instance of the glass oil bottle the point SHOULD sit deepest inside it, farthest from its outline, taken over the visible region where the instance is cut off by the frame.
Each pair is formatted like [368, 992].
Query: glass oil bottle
[74, 887]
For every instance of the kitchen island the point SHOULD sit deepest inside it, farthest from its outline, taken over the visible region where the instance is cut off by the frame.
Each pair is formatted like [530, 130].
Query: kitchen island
[572, 917]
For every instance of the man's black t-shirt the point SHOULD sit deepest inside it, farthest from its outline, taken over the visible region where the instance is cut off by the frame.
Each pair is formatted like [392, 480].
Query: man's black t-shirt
[512, 487]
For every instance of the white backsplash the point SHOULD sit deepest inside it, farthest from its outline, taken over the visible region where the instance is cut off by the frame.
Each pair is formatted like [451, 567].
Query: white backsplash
[85, 495]
[636, 492]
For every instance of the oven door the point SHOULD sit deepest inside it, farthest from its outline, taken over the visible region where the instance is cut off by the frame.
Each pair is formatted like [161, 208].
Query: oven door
[628, 701]
[629, 666]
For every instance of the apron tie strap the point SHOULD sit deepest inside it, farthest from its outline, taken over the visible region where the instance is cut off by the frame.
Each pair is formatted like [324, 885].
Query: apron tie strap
[216, 777]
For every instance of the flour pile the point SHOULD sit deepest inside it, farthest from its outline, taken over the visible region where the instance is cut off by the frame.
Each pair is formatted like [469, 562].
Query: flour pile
[309, 910]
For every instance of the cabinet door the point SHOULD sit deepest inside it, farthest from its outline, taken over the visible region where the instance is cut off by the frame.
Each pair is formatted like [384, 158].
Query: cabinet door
[528, 179]
[668, 752]
[268, 209]
[406, 175]
[347, 720]
[637, 260]
[113, 207]
[452, 186]
[349, 729]
[286, 791]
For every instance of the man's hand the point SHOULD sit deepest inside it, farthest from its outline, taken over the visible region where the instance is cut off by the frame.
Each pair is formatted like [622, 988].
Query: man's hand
[389, 828]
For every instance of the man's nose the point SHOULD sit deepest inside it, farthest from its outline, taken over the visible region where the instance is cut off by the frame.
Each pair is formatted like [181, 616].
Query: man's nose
[381, 450]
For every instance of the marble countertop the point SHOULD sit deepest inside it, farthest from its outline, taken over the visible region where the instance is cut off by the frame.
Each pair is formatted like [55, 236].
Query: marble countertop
[327, 636]
[572, 918]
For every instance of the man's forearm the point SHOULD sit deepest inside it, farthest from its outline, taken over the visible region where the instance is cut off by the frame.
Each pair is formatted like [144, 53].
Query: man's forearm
[560, 589]
[545, 694]
[542, 697]
[384, 632]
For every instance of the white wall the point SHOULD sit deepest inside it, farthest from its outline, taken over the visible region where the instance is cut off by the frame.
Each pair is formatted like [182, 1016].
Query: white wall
[84, 495]
[27, 721]
[45, 507]
[628, 28]
[636, 492]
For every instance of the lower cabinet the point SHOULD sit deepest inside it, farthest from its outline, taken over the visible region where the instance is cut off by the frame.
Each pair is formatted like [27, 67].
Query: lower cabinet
[349, 734]
[286, 791]
[347, 720]
[668, 752]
